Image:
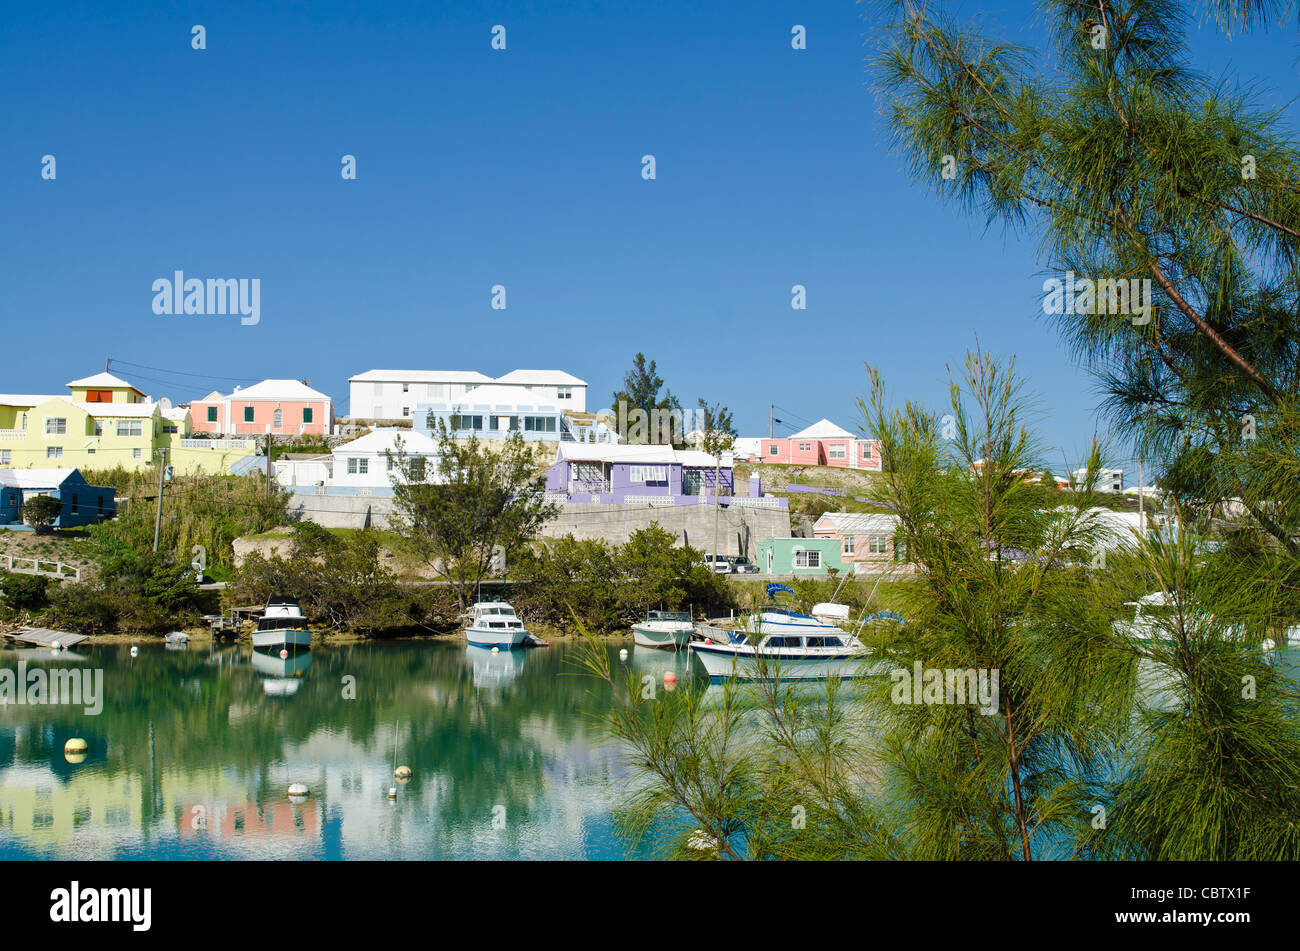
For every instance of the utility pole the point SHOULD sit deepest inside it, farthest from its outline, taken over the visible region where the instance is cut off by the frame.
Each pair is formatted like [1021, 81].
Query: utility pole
[771, 421]
[1142, 494]
[162, 475]
[268, 463]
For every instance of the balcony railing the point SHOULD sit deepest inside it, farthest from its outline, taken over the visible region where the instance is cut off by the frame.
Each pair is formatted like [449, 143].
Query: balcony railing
[12, 435]
[588, 486]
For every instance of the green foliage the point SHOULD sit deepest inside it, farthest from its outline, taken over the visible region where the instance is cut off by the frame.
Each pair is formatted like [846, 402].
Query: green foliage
[207, 510]
[341, 582]
[23, 592]
[40, 511]
[641, 386]
[480, 498]
[86, 608]
[1100, 743]
[1131, 166]
[608, 587]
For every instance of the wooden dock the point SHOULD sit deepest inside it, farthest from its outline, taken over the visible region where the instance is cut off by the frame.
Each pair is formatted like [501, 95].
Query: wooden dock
[44, 637]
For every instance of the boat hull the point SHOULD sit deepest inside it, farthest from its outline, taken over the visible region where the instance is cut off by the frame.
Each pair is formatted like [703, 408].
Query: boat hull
[727, 662]
[672, 636]
[282, 638]
[503, 638]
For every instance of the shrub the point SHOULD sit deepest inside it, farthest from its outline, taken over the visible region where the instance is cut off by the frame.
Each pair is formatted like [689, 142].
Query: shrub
[24, 592]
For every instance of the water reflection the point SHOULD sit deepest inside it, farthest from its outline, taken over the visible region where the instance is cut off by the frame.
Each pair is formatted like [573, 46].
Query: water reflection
[195, 750]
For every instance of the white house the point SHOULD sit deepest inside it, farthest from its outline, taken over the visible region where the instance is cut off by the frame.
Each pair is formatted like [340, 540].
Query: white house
[365, 463]
[398, 394]
[1108, 480]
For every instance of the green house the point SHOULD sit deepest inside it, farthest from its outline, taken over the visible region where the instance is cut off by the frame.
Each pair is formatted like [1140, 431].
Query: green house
[800, 556]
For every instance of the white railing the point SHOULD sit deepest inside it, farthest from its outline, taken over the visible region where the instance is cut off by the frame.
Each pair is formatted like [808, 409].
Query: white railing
[757, 502]
[555, 497]
[33, 566]
[662, 500]
[217, 444]
[12, 435]
[588, 486]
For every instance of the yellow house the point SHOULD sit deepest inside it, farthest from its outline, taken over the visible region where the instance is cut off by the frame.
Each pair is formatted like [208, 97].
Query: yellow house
[105, 422]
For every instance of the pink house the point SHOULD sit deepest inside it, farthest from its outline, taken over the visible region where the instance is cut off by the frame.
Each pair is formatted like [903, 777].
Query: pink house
[280, 407]
[867, 540]
[822, 444]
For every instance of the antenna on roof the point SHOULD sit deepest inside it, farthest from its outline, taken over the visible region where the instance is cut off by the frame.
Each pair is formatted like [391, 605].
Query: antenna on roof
[107, 361]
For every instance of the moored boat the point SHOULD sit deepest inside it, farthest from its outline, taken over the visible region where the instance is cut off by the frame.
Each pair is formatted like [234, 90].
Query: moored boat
[495, 624]
[669, 630]
[282, 626]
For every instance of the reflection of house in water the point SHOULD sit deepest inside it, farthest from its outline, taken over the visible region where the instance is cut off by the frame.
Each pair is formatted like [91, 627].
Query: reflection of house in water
[276, 818]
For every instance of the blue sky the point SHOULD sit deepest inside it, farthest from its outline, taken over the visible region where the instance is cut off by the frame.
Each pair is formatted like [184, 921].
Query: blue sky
[521, 168]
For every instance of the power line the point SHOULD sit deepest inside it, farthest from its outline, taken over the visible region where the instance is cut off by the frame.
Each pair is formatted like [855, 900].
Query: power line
[205, 376]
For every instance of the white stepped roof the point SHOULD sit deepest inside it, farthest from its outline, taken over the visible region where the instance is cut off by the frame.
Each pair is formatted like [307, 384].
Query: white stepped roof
[649, 455]
[541, 378]
[420, 376]
[858, 523]
[824, 429]
[278, 390]
[493, 394]
[27, 399]
[34, 478]
[385, 440]
[103, 381]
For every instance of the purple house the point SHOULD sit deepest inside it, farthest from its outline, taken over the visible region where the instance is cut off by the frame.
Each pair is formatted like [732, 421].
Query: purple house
[597, 472]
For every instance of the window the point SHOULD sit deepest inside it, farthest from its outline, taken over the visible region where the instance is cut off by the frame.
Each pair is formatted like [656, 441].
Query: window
[55, 426]
[466, 422]
[807, 559]
[74, 503]
[212, 414]
[130, 427]
[878, 544]
[168, 428]
[99, 505]
[137, 454]
[5, 456]
[835, 452]
[539, 424]
[866, 450]
[805, 447]
[771, 450]
[248, 414]
[53, 452]
[99, 396]
[846, 544]
[782, 642]
[352, 466]
[564, 393]
[406, 412]
[306, 414]
[406, 387]
[363, 466]
[90, 452]
[277, 419]
[649, 474]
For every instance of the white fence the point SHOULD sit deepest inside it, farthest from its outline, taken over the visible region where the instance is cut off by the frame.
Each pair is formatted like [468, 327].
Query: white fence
[35, 566]
[217, 444]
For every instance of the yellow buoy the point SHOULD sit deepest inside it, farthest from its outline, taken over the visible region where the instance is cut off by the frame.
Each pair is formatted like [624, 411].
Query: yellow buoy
[402, 772]
[74, 751]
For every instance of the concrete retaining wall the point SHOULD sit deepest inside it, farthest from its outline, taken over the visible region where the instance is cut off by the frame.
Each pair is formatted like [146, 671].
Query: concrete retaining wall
[739, 528]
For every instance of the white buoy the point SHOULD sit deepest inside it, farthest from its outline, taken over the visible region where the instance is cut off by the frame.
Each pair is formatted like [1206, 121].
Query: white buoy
[622, 654]
[284, 654]
[392, 792]
[299, 789]
[76, 745]
[496, 650]
[402, 772]
[135, 651]
[55, 645]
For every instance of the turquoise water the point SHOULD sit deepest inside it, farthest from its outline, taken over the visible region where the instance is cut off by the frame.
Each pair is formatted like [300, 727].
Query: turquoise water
[194, 750]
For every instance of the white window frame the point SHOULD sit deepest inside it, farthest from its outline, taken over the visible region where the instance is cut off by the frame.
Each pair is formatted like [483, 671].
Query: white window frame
[846, 544]
[60, 427]
[836, 452]
[130, 427]
[53, 452]
[878, 544]
[811, 558]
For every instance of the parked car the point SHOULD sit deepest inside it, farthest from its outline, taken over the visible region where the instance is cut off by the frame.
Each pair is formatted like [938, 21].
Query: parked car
[743, 566]
[720, 564]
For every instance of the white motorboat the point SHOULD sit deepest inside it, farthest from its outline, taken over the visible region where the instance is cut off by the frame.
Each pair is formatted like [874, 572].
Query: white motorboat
[282, 626]
[669, 630]
[495, 624]
[778, 642]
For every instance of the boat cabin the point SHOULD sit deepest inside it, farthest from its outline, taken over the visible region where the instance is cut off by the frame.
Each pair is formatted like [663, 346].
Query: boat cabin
[495, 614]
